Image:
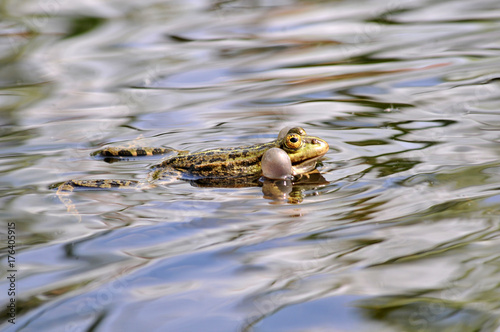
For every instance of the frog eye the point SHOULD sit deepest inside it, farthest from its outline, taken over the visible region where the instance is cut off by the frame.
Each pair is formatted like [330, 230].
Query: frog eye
[293, 141]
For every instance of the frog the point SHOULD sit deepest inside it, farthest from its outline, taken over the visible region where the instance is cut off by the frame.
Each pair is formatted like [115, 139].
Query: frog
[292, 154]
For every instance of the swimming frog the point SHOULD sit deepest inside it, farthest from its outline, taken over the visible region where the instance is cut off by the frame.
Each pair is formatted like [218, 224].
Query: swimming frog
[238, 166]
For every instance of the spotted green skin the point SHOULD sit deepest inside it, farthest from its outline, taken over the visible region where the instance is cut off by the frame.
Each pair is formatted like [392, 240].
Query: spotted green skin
[235, 162]
[215, 164]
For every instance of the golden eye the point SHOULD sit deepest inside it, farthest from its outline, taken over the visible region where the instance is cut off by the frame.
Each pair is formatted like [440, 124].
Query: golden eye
[293, 141]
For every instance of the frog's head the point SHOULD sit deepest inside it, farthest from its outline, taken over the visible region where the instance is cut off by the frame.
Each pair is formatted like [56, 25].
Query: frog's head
[303, 150]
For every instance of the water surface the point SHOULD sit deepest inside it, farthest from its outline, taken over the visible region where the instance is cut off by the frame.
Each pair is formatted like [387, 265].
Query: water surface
[403, 237]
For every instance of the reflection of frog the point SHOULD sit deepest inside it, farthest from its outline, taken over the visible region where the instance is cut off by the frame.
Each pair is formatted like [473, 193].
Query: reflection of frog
[224, 167]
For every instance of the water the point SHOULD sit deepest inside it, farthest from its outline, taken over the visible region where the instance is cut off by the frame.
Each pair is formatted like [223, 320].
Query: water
[404, 237]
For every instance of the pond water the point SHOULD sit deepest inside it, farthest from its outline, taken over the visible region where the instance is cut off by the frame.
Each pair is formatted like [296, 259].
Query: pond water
[402, 236]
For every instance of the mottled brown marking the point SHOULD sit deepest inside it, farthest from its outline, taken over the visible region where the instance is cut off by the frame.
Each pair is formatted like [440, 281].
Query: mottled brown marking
[126, 153]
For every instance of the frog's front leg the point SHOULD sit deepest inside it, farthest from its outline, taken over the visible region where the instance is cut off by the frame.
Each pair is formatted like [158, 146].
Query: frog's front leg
[163, 175]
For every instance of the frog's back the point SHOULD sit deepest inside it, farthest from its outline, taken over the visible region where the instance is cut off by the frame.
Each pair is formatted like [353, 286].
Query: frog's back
[219, 163]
